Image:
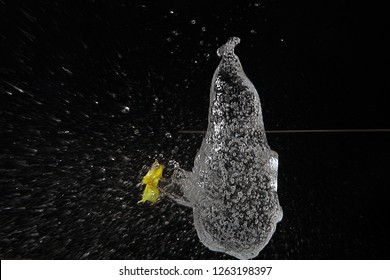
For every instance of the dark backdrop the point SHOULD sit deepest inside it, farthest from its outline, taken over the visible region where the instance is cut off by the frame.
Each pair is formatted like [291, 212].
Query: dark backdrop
[93, 90]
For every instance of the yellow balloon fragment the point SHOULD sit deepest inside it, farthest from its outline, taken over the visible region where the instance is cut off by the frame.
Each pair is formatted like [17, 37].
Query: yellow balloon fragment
[151, 179]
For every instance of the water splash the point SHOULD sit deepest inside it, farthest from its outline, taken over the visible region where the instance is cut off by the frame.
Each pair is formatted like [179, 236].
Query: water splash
[233, 185]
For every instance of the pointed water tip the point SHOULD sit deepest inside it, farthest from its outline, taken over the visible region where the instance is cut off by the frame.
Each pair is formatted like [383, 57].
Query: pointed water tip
[228, 48]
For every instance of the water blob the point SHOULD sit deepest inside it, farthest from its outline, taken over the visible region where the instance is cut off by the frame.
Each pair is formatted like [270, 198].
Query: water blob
[232, 188]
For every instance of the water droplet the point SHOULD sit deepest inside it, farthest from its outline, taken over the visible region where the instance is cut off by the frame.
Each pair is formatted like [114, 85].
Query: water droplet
[125, 110]
[66, 70]
[113, 95]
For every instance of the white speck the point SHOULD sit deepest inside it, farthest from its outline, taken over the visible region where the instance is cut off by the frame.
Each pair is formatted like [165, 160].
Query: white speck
[113, 95]
[203, 28]
[281, 40]
[17, 88]
[253, 31]
[125, 109]
[171, 12]
[66, 70]
[168, 135]
[63, 132]
[193, 21]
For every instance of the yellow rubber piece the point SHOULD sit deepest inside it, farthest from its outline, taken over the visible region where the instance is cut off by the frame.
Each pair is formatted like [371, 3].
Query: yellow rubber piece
[151, 179]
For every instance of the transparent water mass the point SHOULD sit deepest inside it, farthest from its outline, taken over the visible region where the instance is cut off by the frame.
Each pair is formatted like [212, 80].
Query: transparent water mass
[233, 185]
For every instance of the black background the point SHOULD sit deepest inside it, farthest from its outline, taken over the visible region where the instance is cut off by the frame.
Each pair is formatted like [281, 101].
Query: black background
[93, 90]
